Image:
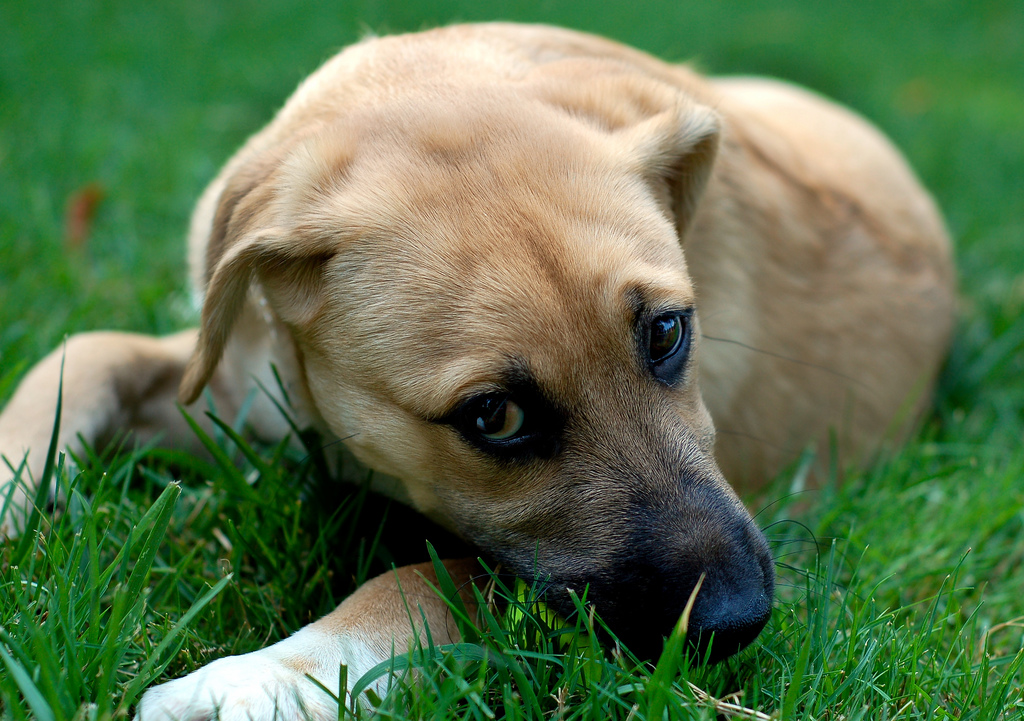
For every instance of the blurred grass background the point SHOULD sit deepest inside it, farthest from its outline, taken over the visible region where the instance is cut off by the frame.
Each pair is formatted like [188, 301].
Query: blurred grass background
[142, 102]
[149, 99]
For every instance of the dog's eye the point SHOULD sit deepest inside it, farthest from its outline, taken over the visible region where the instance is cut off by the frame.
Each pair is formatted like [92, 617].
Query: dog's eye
[519, 430]
[667, 332]
[497, 418]
[668, 343]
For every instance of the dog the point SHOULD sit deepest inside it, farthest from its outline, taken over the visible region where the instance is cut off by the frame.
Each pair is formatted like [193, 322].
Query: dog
[526, 273]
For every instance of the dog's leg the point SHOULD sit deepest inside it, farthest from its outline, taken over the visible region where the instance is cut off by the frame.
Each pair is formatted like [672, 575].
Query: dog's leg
[368, 628]
[111, 382]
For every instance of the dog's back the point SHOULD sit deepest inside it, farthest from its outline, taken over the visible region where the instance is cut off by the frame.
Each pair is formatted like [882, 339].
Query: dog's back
[831, 288]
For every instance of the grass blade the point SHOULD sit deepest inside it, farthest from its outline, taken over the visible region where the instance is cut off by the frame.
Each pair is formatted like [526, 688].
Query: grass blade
[28, 689]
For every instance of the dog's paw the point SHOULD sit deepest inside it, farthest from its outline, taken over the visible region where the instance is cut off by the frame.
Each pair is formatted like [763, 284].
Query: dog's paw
[273, 683]
[238, 687]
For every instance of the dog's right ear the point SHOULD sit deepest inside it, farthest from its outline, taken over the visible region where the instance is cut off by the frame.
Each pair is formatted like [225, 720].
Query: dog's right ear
[675, 150]
[664, 135]
[247, 240]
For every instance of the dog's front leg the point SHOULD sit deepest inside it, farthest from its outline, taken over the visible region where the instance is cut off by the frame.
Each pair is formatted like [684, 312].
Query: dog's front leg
[368, 628]
[112, 382]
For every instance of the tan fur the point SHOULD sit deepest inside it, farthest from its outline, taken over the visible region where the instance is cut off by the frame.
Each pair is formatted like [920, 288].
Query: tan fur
[430, 211]
[376, 600]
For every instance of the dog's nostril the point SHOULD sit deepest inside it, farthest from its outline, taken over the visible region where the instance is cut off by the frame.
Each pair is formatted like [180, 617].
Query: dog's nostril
[724, 627]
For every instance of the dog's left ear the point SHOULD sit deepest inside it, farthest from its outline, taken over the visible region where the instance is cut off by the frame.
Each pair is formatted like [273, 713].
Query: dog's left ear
[247, 243]
[675, 151]
[292, 271]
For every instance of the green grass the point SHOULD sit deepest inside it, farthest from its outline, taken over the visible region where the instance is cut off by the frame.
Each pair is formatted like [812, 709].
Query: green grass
[901, 590]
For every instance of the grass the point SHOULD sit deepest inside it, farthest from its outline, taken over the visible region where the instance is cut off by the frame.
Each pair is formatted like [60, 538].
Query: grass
[901, 592]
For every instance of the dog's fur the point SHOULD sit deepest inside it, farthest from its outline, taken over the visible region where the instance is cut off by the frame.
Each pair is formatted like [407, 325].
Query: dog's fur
[501, 209]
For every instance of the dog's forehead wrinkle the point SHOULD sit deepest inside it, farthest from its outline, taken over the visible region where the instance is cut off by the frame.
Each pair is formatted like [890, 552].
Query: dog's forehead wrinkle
[499, 309]
[498, 212]
[454, 153]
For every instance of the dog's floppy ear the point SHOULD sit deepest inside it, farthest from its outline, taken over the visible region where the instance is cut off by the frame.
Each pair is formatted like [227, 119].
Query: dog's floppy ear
[675, 150]
[245, 242]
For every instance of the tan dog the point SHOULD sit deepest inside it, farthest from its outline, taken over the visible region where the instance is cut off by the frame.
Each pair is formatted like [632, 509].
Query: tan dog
[479, 255]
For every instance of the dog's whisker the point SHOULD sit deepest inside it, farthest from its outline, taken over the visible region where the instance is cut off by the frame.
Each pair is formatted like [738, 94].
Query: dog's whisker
[781, 536]
[780, 499]
[325, 446]
[796, 546]
[750, 436]
[799, 570]
[800, 552]
[798, 361]
[802, 543]
[779, 542]
[791, 521]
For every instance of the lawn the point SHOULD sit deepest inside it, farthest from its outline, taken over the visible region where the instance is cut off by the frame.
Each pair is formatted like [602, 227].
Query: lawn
[901, 589]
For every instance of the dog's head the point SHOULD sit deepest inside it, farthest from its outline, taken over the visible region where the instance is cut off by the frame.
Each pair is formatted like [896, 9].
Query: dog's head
[489, 294]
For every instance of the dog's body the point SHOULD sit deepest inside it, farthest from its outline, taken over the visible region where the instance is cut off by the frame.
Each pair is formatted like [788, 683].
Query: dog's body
[461, 251]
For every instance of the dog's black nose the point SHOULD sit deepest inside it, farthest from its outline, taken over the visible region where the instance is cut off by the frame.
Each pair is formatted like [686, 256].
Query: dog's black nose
[645, 593]
[727, 621]
[728, 613]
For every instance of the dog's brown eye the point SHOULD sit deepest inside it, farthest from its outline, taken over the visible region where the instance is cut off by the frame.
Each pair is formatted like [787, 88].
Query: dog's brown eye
[513, 431]
[667, 333]
[499, 418]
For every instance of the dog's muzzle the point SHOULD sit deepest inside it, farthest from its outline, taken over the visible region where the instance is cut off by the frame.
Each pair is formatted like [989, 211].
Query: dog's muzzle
[643, 592]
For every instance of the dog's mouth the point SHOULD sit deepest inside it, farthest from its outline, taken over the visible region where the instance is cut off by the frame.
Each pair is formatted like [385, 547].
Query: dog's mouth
[643, 606]
[641, 594]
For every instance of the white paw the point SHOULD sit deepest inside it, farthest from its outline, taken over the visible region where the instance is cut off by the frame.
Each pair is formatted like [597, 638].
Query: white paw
[268, 684]
[242, 687]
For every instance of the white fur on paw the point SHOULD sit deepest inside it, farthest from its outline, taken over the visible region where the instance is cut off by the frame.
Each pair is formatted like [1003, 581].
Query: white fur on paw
[238, 687]
[264, 685]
